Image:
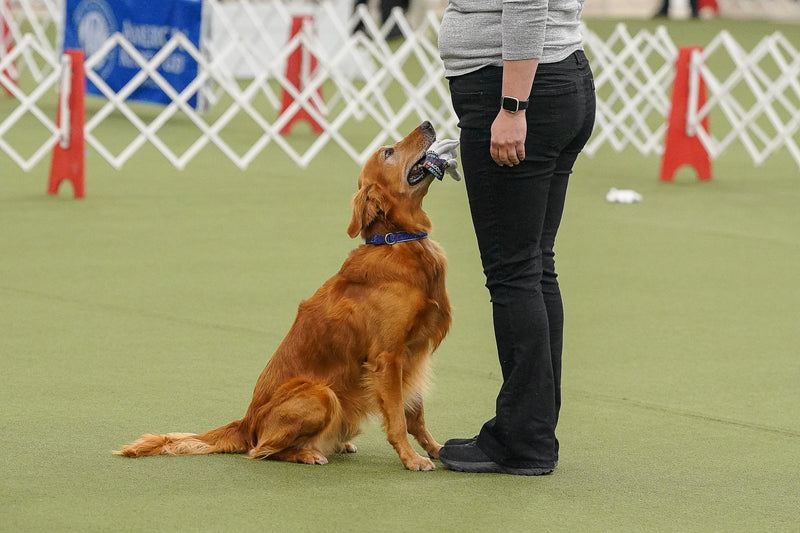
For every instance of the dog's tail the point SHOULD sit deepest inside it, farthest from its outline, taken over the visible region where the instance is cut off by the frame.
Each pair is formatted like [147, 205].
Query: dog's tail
[226, 439]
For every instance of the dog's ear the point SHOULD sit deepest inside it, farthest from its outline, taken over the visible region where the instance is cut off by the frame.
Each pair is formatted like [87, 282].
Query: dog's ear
[367, 206]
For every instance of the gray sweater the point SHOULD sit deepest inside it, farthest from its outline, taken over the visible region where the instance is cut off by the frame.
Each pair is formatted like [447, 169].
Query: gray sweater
[479, 33]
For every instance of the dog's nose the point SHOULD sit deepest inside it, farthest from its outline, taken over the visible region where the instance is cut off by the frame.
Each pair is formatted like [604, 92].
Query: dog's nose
[426, 128]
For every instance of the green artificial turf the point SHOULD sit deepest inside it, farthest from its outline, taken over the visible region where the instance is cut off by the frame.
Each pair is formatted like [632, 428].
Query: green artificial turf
[153, 304]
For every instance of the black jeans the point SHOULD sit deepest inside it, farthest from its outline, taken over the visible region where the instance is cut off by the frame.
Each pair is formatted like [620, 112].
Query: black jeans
[516, 212]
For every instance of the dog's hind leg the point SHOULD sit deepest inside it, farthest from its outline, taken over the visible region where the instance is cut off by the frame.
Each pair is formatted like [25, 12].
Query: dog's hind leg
[298, 424]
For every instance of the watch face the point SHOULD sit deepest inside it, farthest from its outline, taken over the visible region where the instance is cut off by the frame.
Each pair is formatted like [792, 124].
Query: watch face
[510, 104]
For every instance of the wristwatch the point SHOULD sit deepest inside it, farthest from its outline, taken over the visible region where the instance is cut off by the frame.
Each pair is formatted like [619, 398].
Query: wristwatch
[512, 105]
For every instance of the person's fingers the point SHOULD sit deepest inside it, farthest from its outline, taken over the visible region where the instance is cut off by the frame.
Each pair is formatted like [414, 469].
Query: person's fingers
[507, 157]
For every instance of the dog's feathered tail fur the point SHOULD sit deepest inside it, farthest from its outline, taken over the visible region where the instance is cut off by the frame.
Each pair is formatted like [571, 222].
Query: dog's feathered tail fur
[226, 439]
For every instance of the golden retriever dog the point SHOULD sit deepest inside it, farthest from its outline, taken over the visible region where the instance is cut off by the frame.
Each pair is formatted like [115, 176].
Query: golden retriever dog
[360, 345]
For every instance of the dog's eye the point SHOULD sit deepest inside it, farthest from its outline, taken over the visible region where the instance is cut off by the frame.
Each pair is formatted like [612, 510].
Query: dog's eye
[388, 153]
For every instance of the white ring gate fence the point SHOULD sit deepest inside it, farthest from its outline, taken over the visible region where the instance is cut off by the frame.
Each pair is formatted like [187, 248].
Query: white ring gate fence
[361, 89]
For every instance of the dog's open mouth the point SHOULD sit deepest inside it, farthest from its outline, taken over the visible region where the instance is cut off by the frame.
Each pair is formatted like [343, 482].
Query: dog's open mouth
[417, 172]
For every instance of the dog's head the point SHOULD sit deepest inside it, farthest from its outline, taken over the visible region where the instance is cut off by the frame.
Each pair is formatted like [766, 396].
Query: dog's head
[391, 187]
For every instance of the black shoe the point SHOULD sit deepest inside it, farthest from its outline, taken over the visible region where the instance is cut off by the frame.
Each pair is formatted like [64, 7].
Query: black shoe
[661, 15]
[470, 458]
[460, 442]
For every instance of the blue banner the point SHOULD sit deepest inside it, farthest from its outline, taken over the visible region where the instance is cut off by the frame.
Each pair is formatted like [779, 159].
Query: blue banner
[148, 25]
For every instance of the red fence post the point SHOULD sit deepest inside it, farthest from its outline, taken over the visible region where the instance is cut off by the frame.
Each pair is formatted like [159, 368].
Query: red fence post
[680, 148]
[300, 63]
[68, 155]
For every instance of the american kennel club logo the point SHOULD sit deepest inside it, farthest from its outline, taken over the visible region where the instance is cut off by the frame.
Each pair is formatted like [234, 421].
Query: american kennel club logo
[95, 22]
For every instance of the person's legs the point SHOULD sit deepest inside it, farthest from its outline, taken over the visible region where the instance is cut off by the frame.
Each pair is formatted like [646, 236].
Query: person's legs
[516, 212]
[694, 5]
[508, 207]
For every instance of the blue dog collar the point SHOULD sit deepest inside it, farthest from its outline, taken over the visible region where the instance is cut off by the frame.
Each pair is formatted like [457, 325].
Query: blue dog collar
[394, 238]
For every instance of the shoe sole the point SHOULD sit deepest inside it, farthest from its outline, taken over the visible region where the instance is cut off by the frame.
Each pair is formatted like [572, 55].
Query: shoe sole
[490, 467]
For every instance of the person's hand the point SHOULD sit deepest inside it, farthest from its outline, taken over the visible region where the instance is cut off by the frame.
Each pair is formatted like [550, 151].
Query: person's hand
[441, 159]
[508, 138]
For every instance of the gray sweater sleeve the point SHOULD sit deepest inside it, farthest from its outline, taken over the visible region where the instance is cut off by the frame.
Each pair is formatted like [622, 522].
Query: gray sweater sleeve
[523, 25]
[478, 33]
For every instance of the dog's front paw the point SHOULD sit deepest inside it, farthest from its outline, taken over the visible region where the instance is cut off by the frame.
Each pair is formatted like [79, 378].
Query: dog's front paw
[433, 451]
[419, 464]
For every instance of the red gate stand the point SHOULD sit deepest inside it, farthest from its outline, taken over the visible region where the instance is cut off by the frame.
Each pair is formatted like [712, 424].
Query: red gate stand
[68, 155]
[6, 45]
[681, 149]
[295, 73]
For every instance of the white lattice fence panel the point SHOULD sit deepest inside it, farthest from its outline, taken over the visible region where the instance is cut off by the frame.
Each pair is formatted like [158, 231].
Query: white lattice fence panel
[633, 77]
[757, 103]
[147, 128]
[28, 131]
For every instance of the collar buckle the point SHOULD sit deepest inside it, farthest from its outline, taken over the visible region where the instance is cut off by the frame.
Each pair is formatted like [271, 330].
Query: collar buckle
[394, 238]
